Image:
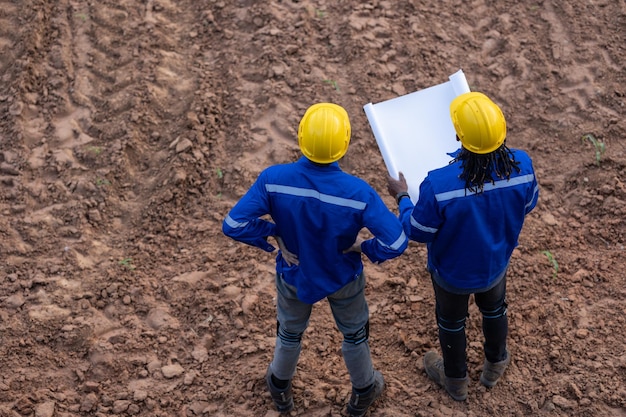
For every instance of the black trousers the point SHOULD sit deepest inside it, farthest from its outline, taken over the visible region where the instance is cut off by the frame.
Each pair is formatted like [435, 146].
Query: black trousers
[452, 311]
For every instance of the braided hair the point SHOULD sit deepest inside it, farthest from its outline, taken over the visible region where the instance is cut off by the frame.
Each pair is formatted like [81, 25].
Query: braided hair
[479, 169]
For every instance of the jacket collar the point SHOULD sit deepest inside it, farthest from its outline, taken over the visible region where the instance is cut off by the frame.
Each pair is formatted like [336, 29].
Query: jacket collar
[308, 164]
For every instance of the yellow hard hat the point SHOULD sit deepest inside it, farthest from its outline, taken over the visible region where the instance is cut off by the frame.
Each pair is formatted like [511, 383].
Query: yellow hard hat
[324, 133]
[478, 121]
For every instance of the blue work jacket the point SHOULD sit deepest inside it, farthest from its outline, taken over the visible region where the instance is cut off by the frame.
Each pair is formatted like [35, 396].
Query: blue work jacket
[318, 211]
[470, 236]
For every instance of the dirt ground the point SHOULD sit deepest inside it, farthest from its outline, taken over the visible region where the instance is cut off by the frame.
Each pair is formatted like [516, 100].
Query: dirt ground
[128, 129]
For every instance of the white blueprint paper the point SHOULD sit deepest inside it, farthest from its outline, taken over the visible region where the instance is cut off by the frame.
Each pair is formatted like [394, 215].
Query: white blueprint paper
[414, 132]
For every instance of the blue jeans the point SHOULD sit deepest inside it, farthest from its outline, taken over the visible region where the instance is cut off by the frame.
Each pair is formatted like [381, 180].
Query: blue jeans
[452, 311]
[351, 314]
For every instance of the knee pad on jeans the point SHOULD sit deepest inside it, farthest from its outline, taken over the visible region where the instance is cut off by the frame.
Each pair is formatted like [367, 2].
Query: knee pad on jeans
[495, 314]
[362, 335]
[288, 338]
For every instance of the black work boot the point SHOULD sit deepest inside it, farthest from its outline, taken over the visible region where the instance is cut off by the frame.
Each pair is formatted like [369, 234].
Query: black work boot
[455, 387]
[282, 397]
[492, 371]
[360, 402]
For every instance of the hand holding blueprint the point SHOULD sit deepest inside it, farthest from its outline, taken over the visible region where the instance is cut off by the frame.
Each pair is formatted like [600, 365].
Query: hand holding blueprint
[414, 132]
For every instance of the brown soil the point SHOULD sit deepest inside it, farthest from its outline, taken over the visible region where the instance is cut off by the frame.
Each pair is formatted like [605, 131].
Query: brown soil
[130, 128]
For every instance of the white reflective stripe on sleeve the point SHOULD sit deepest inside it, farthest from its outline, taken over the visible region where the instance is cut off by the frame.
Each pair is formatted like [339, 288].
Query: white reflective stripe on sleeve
[532, 200]
[421, 227]
[306, 192]
[235, 225]
[395, 245]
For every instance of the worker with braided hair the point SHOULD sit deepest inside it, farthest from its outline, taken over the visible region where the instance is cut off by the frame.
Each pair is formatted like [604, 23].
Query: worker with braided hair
[470, 214]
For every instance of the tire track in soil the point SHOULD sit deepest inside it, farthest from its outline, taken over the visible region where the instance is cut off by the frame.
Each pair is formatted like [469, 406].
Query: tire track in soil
[12, 45]
[135, 84]
[127, 95]
[112, 69]
[142, 82]
[29, 329]
[33, 194]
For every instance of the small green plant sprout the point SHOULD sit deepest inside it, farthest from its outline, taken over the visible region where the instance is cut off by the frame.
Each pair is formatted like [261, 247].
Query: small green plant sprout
[219, 173]
[333, 83]
[101, 182]
[597, 144]
[97, 150]
[320, 14]
[81, 16]
[552, 259]
[127, 263]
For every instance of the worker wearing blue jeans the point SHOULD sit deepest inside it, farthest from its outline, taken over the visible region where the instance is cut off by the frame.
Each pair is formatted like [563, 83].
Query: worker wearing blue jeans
[317, 212]
[351, 314]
